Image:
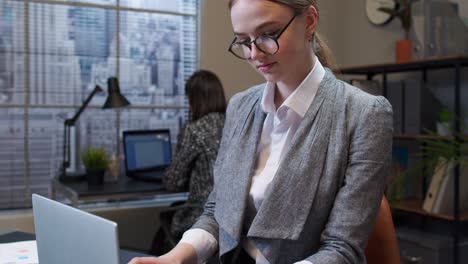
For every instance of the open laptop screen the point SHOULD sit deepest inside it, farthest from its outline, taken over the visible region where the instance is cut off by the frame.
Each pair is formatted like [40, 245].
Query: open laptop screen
[147, 149]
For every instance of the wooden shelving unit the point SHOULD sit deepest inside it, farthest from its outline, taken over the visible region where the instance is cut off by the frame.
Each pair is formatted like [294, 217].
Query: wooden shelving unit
[417, 136]
[415, 206]
[455, 63]
[415, 65]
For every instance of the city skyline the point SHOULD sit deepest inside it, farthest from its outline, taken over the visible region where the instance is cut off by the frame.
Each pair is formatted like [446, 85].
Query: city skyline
[71, 49]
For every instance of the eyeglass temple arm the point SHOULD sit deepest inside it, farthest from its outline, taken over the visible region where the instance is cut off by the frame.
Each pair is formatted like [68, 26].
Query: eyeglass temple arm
[232, 42]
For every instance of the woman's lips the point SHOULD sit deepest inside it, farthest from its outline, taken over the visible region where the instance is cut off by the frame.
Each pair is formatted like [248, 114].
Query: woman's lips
[265, 67]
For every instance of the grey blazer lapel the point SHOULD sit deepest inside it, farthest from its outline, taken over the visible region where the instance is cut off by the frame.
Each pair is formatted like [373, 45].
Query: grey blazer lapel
[234, 184]
[290, 195]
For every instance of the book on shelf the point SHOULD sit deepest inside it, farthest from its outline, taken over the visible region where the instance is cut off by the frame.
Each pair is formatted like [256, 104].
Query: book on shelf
[395, 97]
[404, 183]
[438, 29]
[420, 106]
[443, 203]
[440, 173]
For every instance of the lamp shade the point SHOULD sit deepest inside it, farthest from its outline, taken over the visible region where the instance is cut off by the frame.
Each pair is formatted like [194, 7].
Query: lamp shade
[114, 98]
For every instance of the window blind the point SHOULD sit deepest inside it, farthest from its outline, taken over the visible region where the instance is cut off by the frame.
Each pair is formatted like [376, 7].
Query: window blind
[53, 53]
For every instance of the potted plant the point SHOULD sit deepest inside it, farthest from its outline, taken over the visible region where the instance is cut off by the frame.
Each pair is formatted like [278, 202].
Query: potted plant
[453, 148]
[434, 149]
[403, 12]
[96, 161]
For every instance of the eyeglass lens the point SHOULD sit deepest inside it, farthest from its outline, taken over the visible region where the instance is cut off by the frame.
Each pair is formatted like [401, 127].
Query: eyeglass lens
[263, 43]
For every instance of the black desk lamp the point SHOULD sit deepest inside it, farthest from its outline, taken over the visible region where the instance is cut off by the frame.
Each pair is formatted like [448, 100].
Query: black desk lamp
[114, 100]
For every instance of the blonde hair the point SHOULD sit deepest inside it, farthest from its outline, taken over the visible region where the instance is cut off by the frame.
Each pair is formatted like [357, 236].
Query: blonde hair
[320, 47]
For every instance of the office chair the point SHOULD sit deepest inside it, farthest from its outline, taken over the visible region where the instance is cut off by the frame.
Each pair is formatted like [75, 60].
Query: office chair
[382, 247]
[163, 240]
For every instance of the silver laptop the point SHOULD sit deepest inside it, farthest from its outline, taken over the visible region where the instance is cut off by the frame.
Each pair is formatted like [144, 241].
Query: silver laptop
[66, 235]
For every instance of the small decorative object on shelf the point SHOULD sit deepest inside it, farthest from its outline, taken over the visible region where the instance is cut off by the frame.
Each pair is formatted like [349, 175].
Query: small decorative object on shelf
[403, 12]
[96, 161]
[114, 167]
[375, 16]
[444, 123]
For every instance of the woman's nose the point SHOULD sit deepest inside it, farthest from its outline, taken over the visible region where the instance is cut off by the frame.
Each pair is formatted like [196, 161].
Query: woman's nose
[256, 53]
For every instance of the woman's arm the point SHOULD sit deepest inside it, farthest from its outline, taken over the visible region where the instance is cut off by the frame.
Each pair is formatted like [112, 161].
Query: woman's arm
[357, 202]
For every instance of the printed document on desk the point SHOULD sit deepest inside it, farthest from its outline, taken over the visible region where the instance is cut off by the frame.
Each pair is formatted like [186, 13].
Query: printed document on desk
[24, 252]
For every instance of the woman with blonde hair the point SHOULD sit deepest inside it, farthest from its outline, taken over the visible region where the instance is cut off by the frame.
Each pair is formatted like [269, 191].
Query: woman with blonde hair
[303, 158]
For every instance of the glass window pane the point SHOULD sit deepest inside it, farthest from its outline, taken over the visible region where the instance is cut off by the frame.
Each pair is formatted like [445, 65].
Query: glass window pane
[177, 6]
[12, 169]
[11, 52]
[163, 50]
[97, 2]
[45, 146]
[137, 119]
[97, 128]
[71, 49]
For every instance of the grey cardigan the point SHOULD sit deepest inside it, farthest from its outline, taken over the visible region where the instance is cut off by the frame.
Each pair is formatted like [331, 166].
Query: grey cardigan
[323, 201]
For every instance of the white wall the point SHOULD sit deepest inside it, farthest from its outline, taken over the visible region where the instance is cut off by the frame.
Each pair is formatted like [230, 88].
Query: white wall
[216, 35]
[355, 41]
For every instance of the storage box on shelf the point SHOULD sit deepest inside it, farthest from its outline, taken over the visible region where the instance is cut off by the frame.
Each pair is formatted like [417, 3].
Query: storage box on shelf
[417, 246]
[407, 132]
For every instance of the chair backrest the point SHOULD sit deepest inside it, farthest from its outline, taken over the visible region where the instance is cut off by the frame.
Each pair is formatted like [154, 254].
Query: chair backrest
[382, 247]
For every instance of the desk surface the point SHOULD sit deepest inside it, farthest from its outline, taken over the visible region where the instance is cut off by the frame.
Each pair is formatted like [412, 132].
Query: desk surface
[124, 189]
[123, 186]
[16, 236]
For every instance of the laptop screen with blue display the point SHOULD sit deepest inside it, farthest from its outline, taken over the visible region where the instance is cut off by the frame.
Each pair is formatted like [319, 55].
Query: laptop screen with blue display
[147, 149]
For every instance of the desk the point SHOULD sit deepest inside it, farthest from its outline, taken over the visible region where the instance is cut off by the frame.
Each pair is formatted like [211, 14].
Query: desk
[125, 189]
[16, 236]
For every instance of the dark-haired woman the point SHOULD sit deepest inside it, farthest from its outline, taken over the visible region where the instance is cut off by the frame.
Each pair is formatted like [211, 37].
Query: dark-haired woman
[197, 147]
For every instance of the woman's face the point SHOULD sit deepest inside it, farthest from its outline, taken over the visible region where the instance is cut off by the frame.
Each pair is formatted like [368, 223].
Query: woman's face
[253, 18]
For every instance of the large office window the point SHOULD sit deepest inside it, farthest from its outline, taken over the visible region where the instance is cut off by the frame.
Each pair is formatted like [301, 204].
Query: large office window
[53, 53]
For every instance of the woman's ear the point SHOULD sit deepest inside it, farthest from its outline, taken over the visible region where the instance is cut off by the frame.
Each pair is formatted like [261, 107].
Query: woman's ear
[311, 16]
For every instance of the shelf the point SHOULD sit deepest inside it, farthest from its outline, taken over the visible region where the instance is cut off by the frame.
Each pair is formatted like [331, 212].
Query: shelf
[424, 136]
[415, 206]
[418, 136]
[424, 64]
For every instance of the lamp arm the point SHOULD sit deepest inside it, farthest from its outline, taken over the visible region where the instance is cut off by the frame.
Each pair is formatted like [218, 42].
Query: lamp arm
[66, 150]
[72, 121]
[66, 131]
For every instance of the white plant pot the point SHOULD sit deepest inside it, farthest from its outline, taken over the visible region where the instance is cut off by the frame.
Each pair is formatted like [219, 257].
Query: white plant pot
[444, 129]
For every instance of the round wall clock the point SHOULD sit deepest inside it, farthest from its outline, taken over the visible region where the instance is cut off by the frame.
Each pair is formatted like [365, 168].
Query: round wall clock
[376, 16]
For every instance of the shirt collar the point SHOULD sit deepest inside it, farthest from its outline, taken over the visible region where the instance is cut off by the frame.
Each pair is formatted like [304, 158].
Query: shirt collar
[300, 100]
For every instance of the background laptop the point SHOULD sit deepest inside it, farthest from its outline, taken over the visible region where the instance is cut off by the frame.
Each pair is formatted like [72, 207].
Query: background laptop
[66, 235]
[147, 153]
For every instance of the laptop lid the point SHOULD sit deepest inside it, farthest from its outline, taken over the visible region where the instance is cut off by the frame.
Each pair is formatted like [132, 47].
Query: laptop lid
[146, 150]
[67, 235]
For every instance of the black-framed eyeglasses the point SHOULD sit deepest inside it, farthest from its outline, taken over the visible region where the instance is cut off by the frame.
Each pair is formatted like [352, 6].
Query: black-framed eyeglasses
[265, 43]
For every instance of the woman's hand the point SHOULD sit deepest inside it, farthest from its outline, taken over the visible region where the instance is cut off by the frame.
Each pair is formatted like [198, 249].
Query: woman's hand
[152, 260]
[182, 253]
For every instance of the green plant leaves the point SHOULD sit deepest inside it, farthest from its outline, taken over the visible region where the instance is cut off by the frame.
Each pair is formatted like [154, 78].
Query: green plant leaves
[402, 11]
[95, 159]
[432, 148]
